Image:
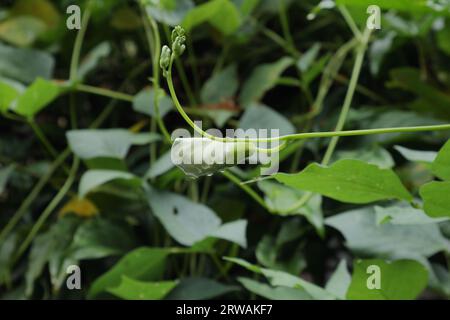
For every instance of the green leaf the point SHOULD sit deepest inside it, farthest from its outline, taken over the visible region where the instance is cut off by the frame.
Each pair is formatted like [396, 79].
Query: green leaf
[416, 155]
[259, 116]
[274, 293]
[374, 155]
[339, 281]
[98, 238]
[93, 239]
[379, 48]
[197, 288]
[144, 102]
[399, 280]
[233, 231]
[403, 214]
[5, 173]
[131, 289]
[365, 237]
[47, 246]
[388, 117]
[245, 264]
[189, 222]
[36, 97]
[8, 248]
[25, 65]
[439, 279]
[222, 14]
[221, 87]
[403, 5]
[442, 39]
[8, 94]
[441, 165]
[410, 79]
[281, 198]
[351, 181]
[93, 58]
[284, 279]
[113, 143]
[146, 264]
[318, 67]
[436, 199]
[262, 79]
[280, 278]
[170, 12]
[308, 58]
[247, 6]
[92, 179]
[160, 166]
[269, 254]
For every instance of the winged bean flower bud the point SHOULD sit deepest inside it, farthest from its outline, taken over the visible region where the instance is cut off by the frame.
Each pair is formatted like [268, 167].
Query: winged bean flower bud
[178, 46]
[164, 60]
[178, 31]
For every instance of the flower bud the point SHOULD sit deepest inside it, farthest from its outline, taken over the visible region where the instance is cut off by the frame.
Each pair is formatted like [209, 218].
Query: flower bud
[164, 60]
[178, 31]
[178, 46]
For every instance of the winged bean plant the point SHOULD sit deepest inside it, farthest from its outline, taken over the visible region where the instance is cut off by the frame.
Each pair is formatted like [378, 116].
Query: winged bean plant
[358, 207]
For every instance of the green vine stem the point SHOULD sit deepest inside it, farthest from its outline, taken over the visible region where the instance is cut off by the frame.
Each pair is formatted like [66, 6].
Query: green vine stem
[49, 209]
[167, 59]
[78, 43]
[296, 136]
[349, 96]
[345, 108]
[45, 142]
[246, 188]
[76, 161]
[152, 30]
[103, 92]
[33, 194]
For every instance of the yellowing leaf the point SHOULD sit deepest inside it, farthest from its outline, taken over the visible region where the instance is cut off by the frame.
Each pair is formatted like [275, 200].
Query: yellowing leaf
[44, 10]
[138, 126]
[21, 31]
[81, 207]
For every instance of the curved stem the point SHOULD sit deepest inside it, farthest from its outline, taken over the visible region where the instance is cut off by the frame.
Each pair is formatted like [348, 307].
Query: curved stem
[49, 209]
[285, 23]
[104, 92]
[246, 188]
[297, 136]
[349, 96]
[350, 22]
[41, 136]
[347, 103]
[33, 194]
[156, 75]
[77, 46]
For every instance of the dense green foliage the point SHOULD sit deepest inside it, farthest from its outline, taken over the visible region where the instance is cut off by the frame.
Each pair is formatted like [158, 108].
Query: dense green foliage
[86, 176]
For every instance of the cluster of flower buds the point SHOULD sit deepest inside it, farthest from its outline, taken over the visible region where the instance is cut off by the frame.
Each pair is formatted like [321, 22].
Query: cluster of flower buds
[178, 47]
[178, 40]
